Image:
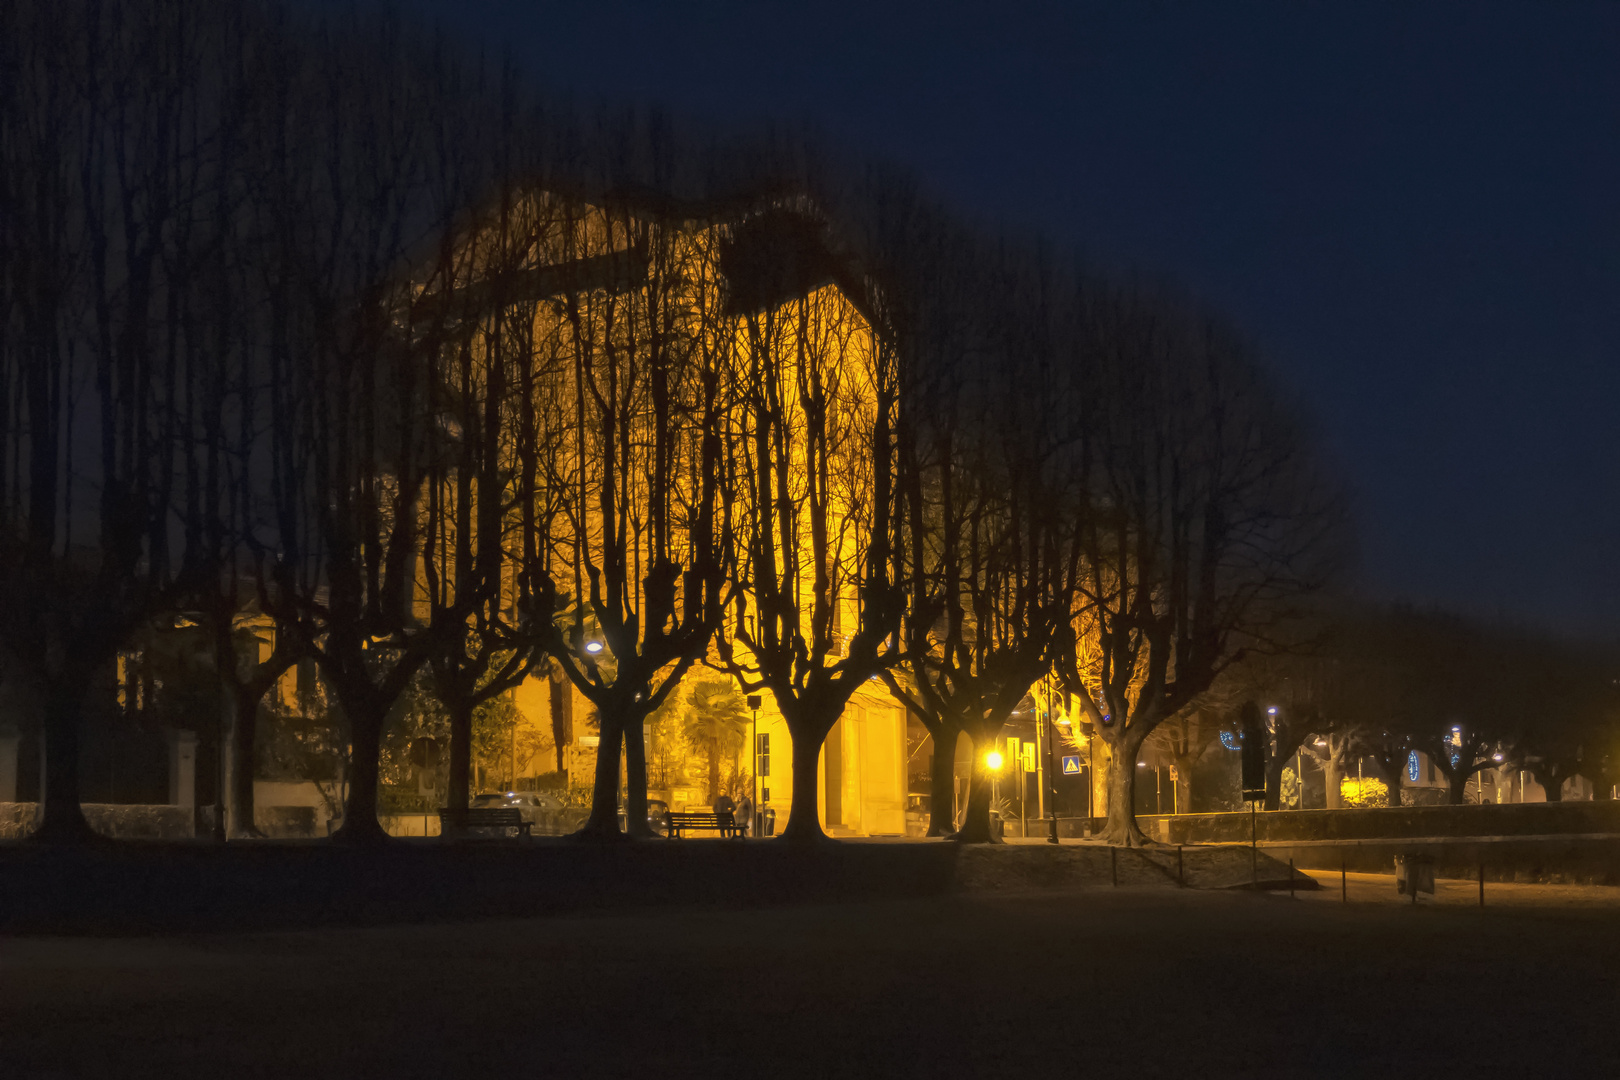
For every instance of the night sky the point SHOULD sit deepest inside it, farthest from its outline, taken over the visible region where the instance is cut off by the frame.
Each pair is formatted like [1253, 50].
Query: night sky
[1414, 208]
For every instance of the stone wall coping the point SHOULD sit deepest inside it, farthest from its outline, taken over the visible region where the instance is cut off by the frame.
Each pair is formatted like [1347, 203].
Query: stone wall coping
[1374, 841]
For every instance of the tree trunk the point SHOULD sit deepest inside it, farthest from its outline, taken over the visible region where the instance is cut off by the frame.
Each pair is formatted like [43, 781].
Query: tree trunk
[803, 825]
[1456, 788]
[1097, 778]
[1121, 827]
[603, 823]
[1330, 780]
[941, 801]
[1394, 770]
[62, 821]
[635, 773]
[360, 824]
[976, 821]
[1275, 765]
[1553, 786]
[458, 786]
[224, 762]
[560, 708]
[1183, 775]
[245, 733]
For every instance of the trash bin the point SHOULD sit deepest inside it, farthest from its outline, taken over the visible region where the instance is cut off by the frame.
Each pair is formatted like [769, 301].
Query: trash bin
[768, 815]
[998, 827]
[1414, 874]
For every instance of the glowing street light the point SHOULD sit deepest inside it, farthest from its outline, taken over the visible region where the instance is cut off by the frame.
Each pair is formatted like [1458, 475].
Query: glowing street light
[593, 647]
[992, 761]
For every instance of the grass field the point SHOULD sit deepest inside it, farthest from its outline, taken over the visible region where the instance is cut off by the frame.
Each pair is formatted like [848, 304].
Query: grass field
[1143, 980]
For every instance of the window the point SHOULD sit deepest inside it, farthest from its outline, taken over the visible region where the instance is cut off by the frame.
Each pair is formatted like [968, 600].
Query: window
[762, 754]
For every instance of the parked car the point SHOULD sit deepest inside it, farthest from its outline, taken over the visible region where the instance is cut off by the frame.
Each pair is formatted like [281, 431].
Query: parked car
[919, 813]
[657, 816]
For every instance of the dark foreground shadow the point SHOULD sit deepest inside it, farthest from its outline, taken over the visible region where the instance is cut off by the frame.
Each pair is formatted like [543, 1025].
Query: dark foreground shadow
[150, 887]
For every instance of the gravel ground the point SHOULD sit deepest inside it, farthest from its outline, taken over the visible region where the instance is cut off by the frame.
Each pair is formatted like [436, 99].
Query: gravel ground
[1142, 980]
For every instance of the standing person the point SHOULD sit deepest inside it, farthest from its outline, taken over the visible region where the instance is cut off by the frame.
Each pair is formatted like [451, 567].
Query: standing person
[745, 814]
[724, 805]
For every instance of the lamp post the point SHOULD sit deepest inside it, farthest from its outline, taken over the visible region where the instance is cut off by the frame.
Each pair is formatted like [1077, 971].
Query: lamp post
[753, 735]
[1051, 772]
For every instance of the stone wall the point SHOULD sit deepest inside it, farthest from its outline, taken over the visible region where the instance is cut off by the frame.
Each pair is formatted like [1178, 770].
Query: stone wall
[1584, 859]
[1283, 826]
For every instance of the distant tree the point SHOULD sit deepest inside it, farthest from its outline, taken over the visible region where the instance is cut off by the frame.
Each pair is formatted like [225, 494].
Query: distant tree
[1459, 690]
[1185, 739]
[716, 719]
[1569, 727]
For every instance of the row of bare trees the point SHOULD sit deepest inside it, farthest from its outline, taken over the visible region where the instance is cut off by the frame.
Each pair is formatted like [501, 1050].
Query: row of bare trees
[318, 322]
[1380, 684]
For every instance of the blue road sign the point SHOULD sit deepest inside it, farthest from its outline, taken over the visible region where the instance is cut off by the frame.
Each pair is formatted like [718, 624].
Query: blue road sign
[1071, 764]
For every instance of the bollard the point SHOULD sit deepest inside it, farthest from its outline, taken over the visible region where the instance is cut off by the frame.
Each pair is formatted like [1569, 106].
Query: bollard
[1482, 883]
[1181, 876]
[1344, 884]
[1290, 879]
[1113, 865]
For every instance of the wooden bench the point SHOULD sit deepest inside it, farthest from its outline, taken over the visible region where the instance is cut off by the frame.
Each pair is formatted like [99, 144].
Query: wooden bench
[724, 821]
[457, 820]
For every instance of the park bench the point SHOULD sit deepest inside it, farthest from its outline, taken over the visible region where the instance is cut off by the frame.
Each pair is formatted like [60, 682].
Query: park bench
[459, 820]
[724, 822]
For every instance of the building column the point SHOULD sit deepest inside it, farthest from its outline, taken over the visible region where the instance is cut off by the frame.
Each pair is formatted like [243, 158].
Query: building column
[183, 769]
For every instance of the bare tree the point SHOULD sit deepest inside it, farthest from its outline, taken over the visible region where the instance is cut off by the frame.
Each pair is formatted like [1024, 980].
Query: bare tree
[103, 136]
[819, 609]
[1206, 516]
[350, 202]
[492, 394]
[991, 552]
[639, 561]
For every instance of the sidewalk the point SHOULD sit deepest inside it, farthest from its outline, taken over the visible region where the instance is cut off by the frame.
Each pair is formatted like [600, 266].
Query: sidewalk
[1380, 889]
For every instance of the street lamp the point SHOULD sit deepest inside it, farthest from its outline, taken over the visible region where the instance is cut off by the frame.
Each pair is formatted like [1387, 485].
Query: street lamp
[992, 761]
[754, 826]
[593, 647]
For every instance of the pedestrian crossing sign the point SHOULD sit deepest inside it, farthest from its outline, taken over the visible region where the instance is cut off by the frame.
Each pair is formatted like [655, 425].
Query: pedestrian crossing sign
[1071, 764]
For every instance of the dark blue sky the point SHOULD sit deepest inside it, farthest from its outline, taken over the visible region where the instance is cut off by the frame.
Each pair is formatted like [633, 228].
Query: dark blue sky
[1414, 207]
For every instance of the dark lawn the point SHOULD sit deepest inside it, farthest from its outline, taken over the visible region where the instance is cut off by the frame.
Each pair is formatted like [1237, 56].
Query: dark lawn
[1090, 982]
